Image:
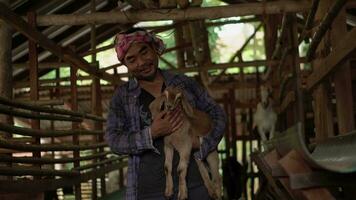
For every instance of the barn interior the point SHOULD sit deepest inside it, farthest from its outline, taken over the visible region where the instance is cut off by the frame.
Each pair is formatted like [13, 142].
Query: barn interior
[58, 72]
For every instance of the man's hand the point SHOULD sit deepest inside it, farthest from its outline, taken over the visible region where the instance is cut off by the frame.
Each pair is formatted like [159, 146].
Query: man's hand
[166, 123]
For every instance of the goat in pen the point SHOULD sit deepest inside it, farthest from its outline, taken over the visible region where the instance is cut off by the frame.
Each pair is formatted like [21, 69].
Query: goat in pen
[195, 124]
[265, 118]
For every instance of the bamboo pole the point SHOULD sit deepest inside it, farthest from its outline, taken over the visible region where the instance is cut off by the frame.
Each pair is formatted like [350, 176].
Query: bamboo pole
[278, 47]
[324, 26]
[12, 112]
[46, 133]
[191, 13]
[32, 160]
[97, 164]
[310, 20]
[21, 171]
[37, 108]
[49, 147]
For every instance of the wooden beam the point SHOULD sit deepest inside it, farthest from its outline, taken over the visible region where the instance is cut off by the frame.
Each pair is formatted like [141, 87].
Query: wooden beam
[191, 13]
[324, 26]
[42, 65]
[216, 66]
[67, 55]
[342, 79]
[290, 98]
[293, 163]
[331, 63]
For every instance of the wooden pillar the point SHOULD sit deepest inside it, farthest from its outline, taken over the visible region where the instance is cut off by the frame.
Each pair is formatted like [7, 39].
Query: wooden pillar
[5, 63]
[179, 41]
[33, 64]
[233, 122]
[93, 60]
[75, 125]
[227, 129]
[188, 51]
[5, 71]
[342, 80]
[323, 116]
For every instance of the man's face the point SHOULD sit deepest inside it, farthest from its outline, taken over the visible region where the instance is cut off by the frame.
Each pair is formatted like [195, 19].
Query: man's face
[141, 61]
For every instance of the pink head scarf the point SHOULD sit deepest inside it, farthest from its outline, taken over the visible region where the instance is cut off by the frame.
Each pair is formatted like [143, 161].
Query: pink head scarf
[124, 41]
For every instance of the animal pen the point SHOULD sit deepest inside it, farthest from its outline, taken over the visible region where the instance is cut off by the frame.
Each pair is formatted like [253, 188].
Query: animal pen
[52, 129]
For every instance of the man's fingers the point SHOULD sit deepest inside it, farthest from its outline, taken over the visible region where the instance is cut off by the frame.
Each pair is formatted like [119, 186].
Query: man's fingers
[176, 127]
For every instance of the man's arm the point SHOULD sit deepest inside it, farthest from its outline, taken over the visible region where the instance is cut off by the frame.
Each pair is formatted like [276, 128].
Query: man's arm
[205, 103]
[118, 136]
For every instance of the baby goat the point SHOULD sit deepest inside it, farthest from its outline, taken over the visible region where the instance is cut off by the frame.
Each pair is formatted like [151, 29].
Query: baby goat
[195, 124]
[265, 118]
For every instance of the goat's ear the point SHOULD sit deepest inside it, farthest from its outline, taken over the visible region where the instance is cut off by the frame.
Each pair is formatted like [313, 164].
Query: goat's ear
[155, 106]
[188, 109]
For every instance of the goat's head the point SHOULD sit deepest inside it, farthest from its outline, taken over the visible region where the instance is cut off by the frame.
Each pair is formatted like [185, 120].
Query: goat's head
[169, 100]
[265, 95]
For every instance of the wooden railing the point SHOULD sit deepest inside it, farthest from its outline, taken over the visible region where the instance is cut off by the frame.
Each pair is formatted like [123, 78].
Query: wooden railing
[39, 174]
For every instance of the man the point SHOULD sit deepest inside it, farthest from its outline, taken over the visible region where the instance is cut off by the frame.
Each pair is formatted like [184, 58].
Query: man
[131, 131]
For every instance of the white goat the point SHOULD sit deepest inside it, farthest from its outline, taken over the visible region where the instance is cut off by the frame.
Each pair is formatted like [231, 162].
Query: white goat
[265, 118]
[195, 124]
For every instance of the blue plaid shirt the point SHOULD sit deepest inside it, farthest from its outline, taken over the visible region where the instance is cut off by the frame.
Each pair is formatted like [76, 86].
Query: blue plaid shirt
[125, 136]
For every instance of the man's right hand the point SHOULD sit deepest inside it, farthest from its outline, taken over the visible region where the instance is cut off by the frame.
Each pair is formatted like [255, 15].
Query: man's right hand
[166, 123]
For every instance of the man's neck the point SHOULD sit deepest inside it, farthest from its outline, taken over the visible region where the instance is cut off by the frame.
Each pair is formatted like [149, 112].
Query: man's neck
[154, 86]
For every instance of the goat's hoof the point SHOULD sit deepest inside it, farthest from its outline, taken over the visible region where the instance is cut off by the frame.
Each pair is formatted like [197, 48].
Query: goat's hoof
[182, 195]
[168, 193]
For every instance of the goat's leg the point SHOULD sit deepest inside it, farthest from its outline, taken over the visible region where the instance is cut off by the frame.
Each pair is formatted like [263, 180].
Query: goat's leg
[184, 155]
[213, 161]
[271, 132]
[262, 133]
[168, 150]
[206, 179]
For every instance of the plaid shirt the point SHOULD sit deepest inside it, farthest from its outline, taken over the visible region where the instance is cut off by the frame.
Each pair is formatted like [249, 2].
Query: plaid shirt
[125, 136]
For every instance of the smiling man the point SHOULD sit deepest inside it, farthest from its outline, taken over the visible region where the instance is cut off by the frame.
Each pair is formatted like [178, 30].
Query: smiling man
[131, 131]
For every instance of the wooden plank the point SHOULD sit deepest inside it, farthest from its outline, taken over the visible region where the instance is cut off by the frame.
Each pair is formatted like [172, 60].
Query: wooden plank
[265, 163]
[293, 163]
[191, 13]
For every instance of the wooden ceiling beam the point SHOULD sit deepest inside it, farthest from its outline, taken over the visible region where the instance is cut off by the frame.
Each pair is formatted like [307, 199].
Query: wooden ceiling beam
[191, 13]
[65, 54]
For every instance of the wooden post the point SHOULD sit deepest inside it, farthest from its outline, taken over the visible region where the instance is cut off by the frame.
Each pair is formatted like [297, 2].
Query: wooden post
[97, 110]
[5, 63]
[188, 51]
[93, 60]
[323, 116]
[342, 80]
[179, 41]
[75, 125]
[233, 122]
[6, 84]
[227, 130]
[33, 64]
